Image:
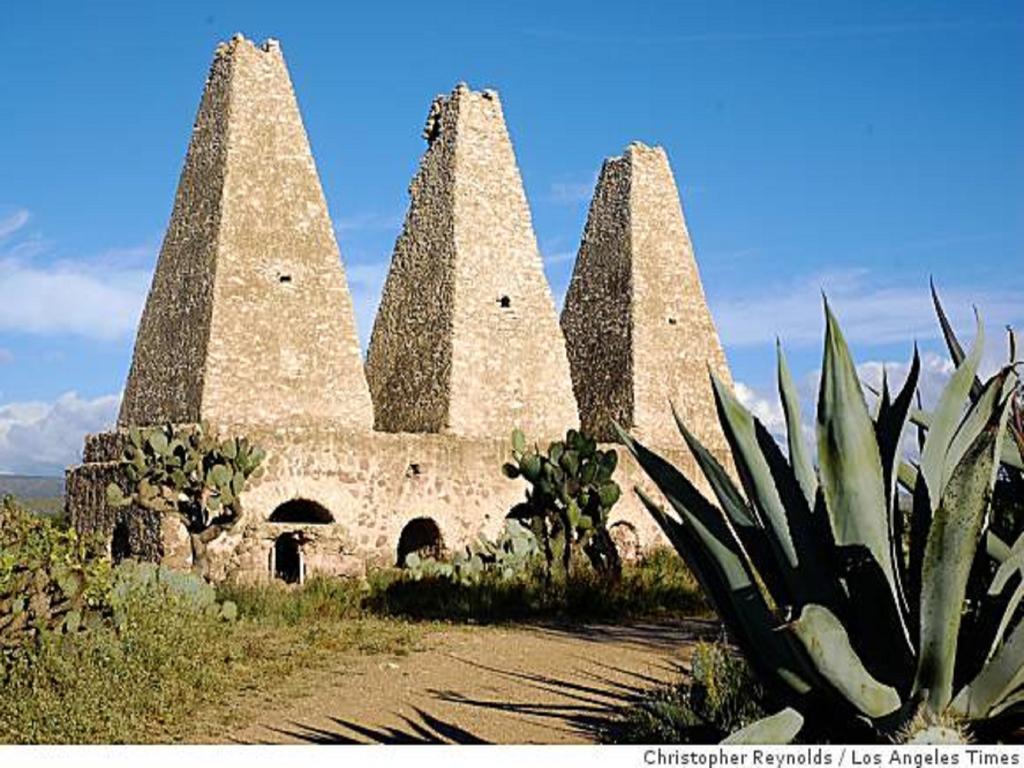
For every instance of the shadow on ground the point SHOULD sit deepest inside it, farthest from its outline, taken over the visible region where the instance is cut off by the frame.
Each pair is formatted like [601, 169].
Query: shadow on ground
[654, 636]
[584, 701]
[425, 729]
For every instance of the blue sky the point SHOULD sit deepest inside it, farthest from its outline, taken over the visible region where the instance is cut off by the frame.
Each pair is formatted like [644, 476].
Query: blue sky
[852, 147]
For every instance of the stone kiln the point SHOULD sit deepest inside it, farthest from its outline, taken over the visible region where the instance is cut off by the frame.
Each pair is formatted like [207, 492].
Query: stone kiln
[249, 327]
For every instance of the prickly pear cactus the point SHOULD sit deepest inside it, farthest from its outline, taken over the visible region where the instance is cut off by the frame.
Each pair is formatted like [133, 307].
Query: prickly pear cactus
[570, 496]
[512, 553]
[134, 581]
[191, 472]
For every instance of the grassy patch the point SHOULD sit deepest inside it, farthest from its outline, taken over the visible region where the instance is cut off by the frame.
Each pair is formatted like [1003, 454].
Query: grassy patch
[143, 686]
[720, 695]
[660, 586]
[147, 681]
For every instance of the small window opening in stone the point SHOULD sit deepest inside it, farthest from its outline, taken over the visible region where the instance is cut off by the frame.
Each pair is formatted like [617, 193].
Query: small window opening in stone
[302, 511]
[288, 559]
[422, 536]
[671, 321]
[284, 278]
[414, 470]
[505, 302]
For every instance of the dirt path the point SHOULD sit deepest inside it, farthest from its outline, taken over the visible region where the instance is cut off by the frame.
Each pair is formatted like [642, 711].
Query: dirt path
[472, 685]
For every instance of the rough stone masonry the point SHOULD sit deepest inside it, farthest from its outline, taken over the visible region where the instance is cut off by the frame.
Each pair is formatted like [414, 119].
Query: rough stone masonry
[249, 327]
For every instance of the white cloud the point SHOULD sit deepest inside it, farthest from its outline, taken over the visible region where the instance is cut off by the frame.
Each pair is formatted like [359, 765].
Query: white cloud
[767, 408]
[98, 298]
[6, 356]
[75, 298]
[868, 313]
[12, 222]
[45, 437]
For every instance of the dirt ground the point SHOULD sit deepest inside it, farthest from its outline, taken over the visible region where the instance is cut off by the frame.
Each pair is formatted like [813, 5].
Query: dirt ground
[478, 685]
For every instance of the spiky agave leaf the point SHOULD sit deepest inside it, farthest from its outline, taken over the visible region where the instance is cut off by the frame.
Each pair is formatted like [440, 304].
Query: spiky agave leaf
[848, 455]
[707, 543]
[946, 419]
[780, 728]
[949, 553]
[744, 521]
[956, 350]
[890, 422]
[826, 642]
[799, 456]
[853, 487]
[1000, 683]
[773, 493]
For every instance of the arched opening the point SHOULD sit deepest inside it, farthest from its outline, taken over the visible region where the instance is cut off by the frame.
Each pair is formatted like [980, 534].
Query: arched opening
[120, 542]
[626, 541]
[302, 511]
[422, 536]
[288, 559]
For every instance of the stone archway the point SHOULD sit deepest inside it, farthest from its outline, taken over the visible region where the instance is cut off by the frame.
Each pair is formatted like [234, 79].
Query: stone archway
[303, 512]
[422, 536]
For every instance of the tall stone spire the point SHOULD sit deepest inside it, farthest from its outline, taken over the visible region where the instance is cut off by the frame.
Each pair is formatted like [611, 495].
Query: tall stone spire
[466, 339]
[249, 319]
[636, 321]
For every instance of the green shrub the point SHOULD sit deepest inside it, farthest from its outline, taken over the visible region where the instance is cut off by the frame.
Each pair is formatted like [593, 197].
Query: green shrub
[319, 599]
[115, 682]
[50, 579]
[719, 696]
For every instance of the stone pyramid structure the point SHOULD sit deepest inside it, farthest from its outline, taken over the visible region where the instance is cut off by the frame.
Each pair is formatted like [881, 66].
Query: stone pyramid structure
[249, 319]
[636, 321]
[466, 340]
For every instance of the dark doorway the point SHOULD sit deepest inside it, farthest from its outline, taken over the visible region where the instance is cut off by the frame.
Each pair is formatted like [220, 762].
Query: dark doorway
[422, 536]
[302, 511]
[120, 542]
[288, 559]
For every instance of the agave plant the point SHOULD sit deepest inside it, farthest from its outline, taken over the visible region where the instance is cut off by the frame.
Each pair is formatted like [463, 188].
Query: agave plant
[1008, 495]
[869, 621]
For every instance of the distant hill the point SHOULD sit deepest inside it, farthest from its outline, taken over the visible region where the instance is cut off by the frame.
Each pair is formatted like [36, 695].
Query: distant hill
[43, 495]
[31, 486]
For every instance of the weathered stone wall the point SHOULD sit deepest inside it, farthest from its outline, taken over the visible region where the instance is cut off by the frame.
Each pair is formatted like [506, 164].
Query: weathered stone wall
[597, 318]
[166, 377]
[409, 361]
[249, 316]
[136, 531]
[467, 339]
[636, 260]
[373, 484]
